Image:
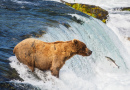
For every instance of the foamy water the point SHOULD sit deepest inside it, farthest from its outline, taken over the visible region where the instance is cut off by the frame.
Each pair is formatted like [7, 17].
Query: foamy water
[119, 22]
[44, 80]
[68, 80]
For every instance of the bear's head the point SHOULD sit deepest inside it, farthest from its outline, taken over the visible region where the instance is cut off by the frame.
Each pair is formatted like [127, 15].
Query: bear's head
[81, 48]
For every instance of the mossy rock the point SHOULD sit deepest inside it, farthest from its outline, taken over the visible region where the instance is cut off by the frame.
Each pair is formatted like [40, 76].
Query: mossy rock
[126, 9]
[94, 11]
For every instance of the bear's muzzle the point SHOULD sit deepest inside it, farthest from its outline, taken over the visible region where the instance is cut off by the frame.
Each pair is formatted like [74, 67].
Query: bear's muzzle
[89, 52]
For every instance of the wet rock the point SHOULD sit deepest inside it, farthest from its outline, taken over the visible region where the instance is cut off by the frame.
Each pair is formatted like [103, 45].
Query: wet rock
[16, 86]
[126, 9]
[122, 8]
[33, 34]
[92, 10]
[66, 25]
[77, 20]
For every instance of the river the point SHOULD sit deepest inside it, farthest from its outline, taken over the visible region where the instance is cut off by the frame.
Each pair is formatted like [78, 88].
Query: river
[21, 19]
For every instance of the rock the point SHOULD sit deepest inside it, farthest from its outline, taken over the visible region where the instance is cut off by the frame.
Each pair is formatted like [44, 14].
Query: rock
[122, 8]
[33, 34]
[66, 25]
[16, 86]
[92, 10]
[126, 9]
[77, 20]
[128, 38]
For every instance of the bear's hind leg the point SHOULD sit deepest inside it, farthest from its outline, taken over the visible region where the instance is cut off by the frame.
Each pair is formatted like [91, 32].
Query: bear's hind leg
[32, 64]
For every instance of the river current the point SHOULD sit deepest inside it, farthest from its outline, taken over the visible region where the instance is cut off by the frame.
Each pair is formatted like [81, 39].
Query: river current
[54, 21]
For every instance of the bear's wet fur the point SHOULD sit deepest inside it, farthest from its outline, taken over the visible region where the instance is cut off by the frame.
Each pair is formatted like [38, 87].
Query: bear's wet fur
[48, 56]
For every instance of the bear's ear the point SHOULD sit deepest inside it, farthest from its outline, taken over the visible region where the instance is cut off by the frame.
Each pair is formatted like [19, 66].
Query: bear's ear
[75, 41]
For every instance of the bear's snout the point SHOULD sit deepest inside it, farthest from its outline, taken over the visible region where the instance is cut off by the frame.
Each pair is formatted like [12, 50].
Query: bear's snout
[88, 52]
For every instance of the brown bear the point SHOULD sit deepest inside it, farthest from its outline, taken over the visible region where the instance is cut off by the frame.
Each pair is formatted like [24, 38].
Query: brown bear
[48, 56]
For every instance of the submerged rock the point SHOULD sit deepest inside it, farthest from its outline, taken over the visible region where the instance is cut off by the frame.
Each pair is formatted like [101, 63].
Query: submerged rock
[92, 10]
[66, 25]
[33, 34]
[16, 86]
[122, 8]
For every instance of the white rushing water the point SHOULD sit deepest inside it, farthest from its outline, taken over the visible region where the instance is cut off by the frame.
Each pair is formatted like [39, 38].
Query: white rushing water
[119, 22]
[94, 72]
[101, 3]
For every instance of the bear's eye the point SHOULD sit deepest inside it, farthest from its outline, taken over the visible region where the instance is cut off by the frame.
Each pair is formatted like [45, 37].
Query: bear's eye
[84, 47]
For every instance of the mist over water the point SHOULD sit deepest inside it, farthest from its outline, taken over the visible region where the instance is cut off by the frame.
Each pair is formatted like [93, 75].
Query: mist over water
[94, 72]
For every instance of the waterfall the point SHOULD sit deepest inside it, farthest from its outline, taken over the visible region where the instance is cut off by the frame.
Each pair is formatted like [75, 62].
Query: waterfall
[94, 72]
[118, 20]
[108, 68]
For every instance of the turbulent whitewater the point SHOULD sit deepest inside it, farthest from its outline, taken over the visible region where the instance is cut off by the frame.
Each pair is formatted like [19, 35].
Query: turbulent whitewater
[95, 72]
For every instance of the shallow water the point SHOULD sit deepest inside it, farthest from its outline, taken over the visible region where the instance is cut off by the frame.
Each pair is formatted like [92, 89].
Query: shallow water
[23, 18]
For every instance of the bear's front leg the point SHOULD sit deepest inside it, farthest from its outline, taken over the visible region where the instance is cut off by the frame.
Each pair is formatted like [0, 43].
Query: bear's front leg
[55, 68]
[55, 71]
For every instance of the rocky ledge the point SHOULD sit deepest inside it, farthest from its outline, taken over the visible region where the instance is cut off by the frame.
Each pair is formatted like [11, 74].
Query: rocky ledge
[92, 10]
